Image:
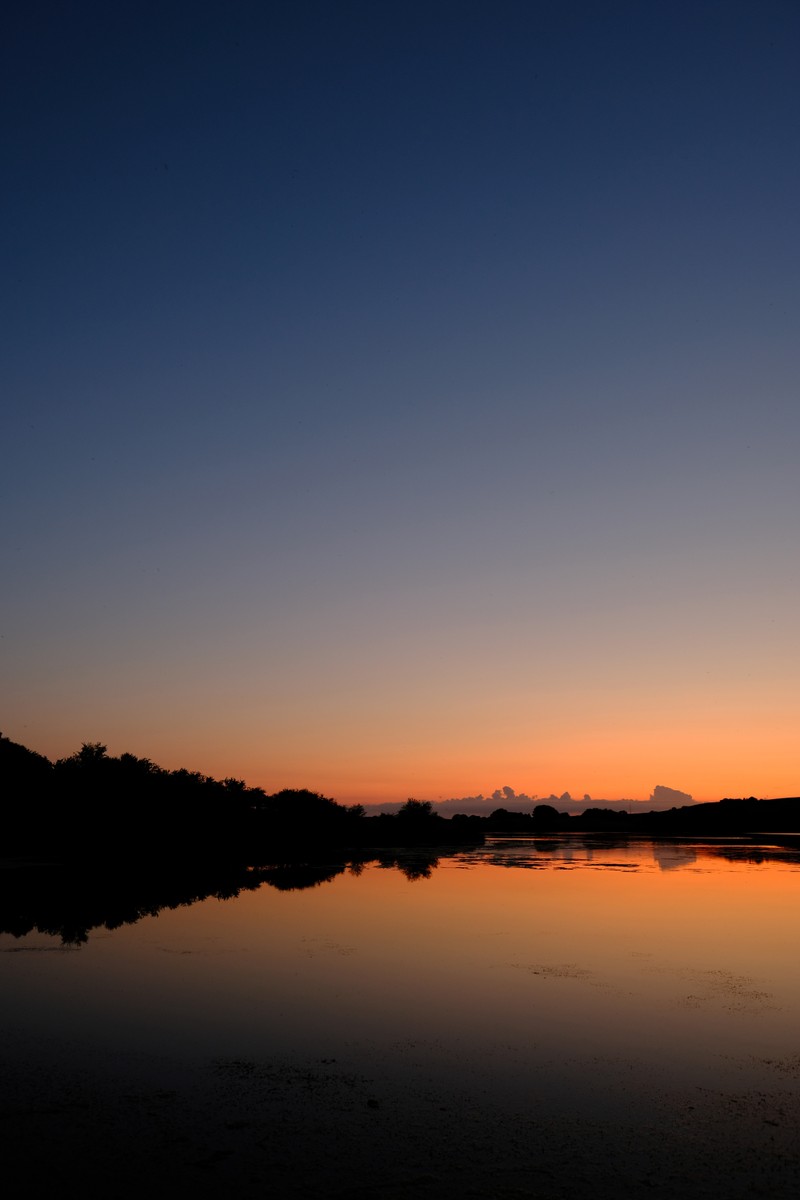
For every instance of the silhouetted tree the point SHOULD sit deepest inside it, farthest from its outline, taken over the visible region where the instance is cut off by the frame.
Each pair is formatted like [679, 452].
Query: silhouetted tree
[415, 810]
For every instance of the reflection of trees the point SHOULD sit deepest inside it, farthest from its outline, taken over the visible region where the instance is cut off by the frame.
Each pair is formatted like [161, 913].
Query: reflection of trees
[417, 864]
[291, 877]
[66, 903]
[541, 852]
[756, 853]
[669, 854]
[63, 902]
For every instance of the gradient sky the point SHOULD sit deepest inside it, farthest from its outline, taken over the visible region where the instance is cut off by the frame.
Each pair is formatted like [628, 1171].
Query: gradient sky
[402, 399]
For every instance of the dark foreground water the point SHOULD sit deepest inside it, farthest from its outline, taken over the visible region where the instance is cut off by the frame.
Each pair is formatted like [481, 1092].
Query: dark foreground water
[535, 1018]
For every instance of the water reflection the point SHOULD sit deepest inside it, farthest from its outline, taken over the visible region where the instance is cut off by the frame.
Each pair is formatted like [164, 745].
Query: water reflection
[61, 901]
[673, 857]
[582, 851]
[293, 1028]
[69, 901]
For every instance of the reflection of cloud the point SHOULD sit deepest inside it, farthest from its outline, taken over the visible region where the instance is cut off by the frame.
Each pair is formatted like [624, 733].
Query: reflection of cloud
[671, 857]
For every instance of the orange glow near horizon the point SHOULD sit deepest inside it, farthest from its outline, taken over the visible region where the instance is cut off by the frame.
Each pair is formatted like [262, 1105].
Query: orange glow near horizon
[373, 703]
[705, 759]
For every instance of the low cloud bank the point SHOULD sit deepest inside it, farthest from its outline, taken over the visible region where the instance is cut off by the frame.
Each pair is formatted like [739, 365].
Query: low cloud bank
[661, 798]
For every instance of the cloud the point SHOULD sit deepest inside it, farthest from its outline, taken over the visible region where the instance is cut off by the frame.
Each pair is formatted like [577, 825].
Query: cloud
[660, 798]
[665, 797]
[506, 797]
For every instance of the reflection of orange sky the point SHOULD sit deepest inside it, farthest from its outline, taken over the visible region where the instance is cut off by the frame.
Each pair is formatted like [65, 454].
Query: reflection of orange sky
[444, 952]
[497, 973]
[701, 915]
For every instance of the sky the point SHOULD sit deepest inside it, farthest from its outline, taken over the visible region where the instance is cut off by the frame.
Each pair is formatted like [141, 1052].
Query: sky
[402, 399]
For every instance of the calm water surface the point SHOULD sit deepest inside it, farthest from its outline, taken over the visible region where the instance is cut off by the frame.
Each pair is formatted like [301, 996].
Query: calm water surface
[548, 960]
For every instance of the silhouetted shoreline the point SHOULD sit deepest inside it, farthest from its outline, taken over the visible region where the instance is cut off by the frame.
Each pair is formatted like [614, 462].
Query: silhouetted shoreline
[721, 818]
[137, 810]
[131, 808]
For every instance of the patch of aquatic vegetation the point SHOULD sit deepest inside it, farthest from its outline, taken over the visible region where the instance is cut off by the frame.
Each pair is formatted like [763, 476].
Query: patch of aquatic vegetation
[312, 946]
[555, 970]
[734, 993]
[323, 1074]
[789, 1067]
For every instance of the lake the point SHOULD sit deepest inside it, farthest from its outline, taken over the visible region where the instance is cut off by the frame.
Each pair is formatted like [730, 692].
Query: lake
[536, 1017]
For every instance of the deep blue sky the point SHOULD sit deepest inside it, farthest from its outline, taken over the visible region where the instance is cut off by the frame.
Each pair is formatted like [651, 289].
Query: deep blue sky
[404, 398]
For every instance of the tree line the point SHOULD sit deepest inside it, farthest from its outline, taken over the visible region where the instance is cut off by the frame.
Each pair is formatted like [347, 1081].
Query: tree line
[130, 805]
